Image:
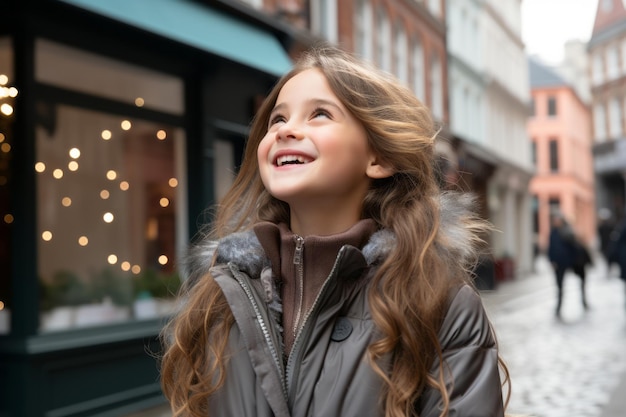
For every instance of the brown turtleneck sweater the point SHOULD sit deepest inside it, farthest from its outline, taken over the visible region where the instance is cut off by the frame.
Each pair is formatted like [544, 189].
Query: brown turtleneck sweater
[301, 279]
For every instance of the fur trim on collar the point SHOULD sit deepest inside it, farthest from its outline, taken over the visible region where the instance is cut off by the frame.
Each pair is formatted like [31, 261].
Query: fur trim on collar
[456, 242]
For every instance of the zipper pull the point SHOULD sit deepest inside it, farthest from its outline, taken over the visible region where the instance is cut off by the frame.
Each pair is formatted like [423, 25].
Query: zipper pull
[297, 256]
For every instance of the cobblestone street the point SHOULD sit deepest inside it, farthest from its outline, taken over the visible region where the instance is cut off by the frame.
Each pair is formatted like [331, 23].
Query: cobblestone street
[568, 367]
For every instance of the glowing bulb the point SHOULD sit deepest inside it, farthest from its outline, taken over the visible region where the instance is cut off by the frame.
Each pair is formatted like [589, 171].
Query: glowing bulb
[161, 134]
[8, 218]
[6, 109]
[139, 102]
[104, 194]
[108, 217]
[5, 147]
[112, 259]
[126, 125]
[47, 236]
[66, 201]
[74, 153]
[83, 241]
[111, 175]
[136, 269]
[40, 167]
[164, 202]
[72, 166]
[3, 79]
[163, 260]
[124, 185]
[57, 173]
[173, 182]
[125, 266]
[106, 134]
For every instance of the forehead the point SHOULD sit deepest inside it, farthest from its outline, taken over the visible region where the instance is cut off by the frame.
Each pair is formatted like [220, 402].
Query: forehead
[306, 84]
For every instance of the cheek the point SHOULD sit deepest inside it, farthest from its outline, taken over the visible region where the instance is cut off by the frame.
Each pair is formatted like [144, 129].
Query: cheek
[262, 151]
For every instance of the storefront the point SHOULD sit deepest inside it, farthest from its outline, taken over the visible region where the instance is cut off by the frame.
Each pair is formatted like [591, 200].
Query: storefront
[120, 123]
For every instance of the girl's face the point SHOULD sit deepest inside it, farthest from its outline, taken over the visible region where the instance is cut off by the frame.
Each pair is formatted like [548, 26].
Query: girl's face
[315, 153]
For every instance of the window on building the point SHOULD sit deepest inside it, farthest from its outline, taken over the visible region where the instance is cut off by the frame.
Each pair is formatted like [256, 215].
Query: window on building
[554, 205]
[623, 55]
[111, 191]
[615, 118]
[418, 70]
[363, 36]
[436, 87]
[597, 70]
[554, 155]
[612, 62]
[599, 122]
[324, 19]
[400, 53]
[435, 7]
[257, 4]
[552, 109]
[383, 50]
[533, 151]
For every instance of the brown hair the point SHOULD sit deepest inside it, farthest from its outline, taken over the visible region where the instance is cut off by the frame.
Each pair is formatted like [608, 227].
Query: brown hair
[401, 133]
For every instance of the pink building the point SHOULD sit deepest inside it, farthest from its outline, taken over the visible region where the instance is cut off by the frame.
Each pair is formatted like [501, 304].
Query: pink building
[560, 131]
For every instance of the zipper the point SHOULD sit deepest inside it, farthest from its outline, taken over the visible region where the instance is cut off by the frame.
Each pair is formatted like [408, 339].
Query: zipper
[298, 261]
[264, 329]
[320, 295]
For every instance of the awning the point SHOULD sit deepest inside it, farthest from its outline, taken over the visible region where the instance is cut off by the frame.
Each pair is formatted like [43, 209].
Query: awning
[198, 26]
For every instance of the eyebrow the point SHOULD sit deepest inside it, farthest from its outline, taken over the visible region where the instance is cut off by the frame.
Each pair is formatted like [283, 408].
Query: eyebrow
[314, 102]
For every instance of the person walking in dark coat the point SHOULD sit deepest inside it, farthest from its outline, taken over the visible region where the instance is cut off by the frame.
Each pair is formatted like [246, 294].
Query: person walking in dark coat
[618, 250]
[582, 259]
[562, 253]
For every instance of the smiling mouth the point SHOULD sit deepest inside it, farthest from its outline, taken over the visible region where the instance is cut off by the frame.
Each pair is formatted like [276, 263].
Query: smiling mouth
[292, 160]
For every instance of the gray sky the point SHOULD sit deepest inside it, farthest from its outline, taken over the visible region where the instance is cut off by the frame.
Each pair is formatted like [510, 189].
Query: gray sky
[548, 24]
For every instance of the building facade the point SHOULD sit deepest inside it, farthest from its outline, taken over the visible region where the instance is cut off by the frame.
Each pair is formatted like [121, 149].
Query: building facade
[120, 123]
[560, 131]
[488, 109]
[607, 55]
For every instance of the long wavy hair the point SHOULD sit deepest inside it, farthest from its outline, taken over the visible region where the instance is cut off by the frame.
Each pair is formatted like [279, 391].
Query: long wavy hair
[423, 264]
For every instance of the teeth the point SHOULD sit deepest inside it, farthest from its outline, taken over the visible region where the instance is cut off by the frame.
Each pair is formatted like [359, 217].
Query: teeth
[291, 159]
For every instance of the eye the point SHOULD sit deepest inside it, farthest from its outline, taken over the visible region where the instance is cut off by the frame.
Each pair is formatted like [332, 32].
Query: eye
[277, 118]
[320, 111]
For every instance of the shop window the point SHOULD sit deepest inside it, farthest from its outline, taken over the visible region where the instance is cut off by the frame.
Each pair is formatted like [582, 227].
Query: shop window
[8, 92]
[110, 196]
[108, 204]
[86, 72]
[224, 167]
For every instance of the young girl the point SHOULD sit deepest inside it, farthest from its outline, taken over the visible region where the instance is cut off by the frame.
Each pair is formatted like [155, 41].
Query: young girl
[335, 280]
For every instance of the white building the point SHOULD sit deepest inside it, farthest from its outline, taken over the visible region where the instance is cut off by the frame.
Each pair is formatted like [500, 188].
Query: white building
[489, 106]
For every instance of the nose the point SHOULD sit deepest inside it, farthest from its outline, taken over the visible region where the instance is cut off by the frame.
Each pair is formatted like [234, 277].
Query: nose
[289, 130]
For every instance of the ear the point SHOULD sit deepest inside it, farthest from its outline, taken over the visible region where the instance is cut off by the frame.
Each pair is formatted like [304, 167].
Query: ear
[377, 170]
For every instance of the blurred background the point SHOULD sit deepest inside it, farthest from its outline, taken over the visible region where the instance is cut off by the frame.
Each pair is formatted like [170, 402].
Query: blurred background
[122, 122]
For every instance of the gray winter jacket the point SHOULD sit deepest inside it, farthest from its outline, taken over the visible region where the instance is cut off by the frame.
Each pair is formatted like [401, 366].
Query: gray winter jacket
[328, 371]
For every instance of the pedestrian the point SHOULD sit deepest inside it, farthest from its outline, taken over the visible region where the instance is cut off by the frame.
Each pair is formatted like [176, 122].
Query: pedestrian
[579, 267]
[335, 279]
[619, 249]
[606, 230]
[562, 253]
